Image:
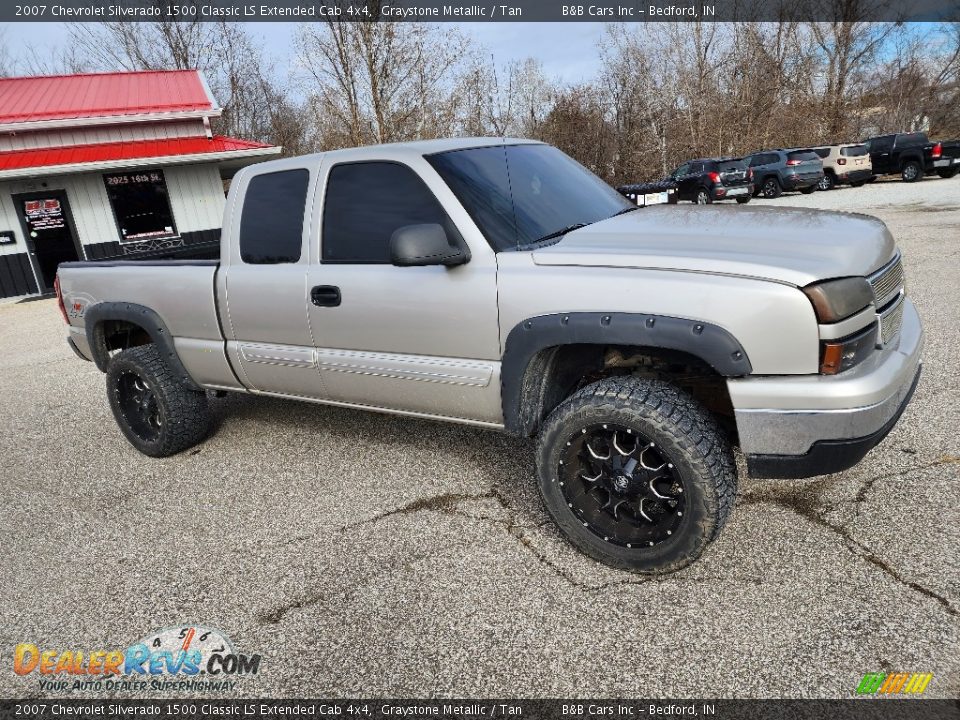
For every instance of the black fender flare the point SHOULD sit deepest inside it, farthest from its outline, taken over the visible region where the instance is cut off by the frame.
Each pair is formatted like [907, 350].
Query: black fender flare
[527, 340]
[142, 316]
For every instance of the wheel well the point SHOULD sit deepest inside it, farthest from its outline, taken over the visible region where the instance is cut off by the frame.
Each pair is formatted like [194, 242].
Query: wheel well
[116, 335]
[557, 372]
[829, 171]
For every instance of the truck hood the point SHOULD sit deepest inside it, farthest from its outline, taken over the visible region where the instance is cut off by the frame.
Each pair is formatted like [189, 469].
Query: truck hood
[797, 246]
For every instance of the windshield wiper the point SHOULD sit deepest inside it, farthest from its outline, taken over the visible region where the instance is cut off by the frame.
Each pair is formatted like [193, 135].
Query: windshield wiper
[624, 211]
[560, 232]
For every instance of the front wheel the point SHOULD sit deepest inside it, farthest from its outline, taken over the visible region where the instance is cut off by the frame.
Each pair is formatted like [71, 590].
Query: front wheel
[155, 411]
[826, 182]
[743, 200]
[911, 171]
[947, 174]
[636, 474]
[808, 190]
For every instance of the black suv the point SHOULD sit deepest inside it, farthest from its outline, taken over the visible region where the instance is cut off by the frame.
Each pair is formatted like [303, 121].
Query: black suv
[708, 179]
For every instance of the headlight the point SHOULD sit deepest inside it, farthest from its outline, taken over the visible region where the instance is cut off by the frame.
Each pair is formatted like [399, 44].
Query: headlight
[839, 355]
[835, 300]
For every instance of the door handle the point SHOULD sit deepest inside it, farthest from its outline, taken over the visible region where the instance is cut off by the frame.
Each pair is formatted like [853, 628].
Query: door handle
[325, 295]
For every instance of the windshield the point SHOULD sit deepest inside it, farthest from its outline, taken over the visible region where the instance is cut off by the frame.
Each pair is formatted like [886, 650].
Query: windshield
[521, 194]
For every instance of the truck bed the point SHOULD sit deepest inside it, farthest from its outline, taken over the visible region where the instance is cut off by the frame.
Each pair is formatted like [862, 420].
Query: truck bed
[181, 292]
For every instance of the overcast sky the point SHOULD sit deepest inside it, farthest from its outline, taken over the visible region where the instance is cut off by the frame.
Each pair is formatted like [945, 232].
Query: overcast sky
[567, 50]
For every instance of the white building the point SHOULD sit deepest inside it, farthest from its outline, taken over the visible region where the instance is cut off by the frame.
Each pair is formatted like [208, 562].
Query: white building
[109, 166]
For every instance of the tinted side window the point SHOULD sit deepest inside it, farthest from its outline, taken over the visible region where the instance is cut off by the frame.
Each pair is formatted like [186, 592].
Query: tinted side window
[881, 144]
[682, 170]
[271, 223]
[366, 202]
[822, 152]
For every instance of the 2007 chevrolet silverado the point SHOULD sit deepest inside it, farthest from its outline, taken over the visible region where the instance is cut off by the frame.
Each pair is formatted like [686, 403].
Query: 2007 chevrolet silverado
[499, 283]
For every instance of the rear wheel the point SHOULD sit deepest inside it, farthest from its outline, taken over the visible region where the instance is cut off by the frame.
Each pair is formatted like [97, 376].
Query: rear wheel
[827, 182]
[771, 188]
[743, 200]
[808, 190]
[947, 174]
[636, 474]
[155, 411]
[703, 197]
[911, 171]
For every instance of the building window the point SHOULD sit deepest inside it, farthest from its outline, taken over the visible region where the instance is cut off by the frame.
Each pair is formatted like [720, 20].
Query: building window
[141, 205]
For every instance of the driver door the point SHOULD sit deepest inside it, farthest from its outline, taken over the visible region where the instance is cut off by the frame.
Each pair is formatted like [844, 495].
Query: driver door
[422, 339]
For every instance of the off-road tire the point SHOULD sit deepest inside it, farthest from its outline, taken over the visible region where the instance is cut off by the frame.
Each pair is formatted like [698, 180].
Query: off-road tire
[744, 200]
[911, 171]
[947, 174]
[184, 417]
[684, 432]
[771, 188]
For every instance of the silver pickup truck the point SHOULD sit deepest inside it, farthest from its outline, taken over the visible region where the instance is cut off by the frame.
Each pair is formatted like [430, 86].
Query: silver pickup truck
[498, 283]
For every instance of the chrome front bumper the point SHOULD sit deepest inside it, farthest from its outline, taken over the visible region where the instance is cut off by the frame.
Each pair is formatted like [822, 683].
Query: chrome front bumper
[787, 416]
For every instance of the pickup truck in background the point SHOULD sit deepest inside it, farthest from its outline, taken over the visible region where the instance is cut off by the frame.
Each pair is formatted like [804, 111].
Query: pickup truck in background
[913, 155]
[499, 283]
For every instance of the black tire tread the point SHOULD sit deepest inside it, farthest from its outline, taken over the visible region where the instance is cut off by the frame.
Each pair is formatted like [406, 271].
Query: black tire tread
[700, 435]
[186, 412]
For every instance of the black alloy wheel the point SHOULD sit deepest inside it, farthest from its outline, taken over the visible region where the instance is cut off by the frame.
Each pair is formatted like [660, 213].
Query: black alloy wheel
[138, 404]
[771, 188]
[621, 486]
[154, 409]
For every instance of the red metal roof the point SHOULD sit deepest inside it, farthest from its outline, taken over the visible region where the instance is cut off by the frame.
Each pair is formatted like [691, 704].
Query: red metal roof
[107, 152]
[59, 97]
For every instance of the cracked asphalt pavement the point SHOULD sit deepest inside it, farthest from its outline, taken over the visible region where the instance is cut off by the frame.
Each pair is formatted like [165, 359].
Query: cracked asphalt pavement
[368, 555]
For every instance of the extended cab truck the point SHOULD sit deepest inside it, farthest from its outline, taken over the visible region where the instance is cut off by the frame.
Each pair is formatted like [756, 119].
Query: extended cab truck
[499, 283]
[913, 155]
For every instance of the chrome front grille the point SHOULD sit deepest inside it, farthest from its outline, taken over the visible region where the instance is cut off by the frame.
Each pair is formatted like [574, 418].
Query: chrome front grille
[887, 282]
[890, 321]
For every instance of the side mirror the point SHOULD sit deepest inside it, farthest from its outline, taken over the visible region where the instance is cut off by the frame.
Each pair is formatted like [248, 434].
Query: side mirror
[428, 244]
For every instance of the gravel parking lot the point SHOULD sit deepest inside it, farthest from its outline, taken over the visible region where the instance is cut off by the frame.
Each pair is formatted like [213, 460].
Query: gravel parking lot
[366, 555]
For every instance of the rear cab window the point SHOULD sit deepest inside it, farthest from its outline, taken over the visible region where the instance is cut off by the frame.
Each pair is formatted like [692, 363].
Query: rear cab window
[271, 222]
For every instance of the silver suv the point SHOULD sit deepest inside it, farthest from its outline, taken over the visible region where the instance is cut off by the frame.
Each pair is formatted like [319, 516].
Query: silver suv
[500, 284]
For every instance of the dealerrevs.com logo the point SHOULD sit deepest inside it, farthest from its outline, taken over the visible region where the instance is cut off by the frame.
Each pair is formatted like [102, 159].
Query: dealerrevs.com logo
[188, 657]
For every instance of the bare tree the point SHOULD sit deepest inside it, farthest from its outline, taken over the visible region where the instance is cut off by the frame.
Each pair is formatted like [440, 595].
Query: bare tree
[380, 82]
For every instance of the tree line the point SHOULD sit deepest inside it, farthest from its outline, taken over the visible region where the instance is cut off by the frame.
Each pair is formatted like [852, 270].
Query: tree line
[663, 92]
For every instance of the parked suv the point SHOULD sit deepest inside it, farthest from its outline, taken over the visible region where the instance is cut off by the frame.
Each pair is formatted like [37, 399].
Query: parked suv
[777, 170]
[707, 179]
[913, 155]
[844, 164]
